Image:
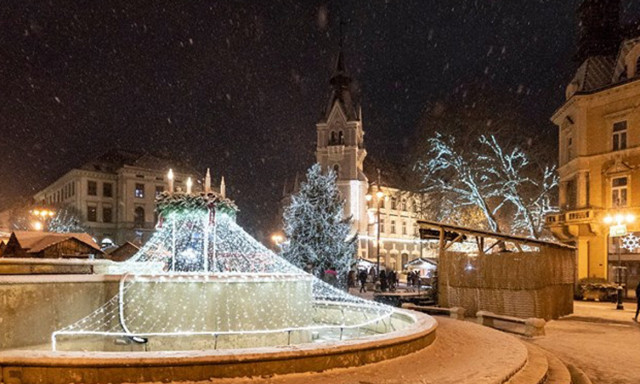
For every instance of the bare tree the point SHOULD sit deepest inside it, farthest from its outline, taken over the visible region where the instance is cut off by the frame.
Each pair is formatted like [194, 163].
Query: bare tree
[500, 182]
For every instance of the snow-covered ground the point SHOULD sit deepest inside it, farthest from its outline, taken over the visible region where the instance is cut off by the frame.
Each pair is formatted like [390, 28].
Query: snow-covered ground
[603, 342]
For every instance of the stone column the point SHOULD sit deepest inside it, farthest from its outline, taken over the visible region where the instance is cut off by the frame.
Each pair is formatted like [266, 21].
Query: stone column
[583, 185]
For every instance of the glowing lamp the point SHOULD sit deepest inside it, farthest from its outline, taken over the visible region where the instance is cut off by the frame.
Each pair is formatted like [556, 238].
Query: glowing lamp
[37, 226]
[368, 197]
[630, 218]
[379, 194]
[170, 179]
[608, 219]
[189, 185]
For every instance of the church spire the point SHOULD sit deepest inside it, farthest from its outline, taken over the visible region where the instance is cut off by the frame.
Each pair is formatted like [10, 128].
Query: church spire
[341, 85]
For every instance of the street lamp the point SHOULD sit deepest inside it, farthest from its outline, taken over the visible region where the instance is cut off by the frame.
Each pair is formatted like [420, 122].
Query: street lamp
[41, 217]
[379, 195]
[617, 228]
[277, 239]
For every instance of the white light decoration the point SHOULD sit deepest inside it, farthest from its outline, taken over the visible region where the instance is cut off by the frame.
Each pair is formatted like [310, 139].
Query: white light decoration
[630, 242]
[201, 282]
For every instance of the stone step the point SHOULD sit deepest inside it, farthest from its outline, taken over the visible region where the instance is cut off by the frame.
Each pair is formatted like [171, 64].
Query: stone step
[535, 370]
[558, 372]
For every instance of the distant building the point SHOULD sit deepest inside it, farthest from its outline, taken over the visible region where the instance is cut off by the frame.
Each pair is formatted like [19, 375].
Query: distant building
[114, 194]
[340, 146]
[49, 245]
[599, 143]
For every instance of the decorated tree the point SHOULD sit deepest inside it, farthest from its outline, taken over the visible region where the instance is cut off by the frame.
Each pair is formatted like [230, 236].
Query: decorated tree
[512, 193]
[316, 229]
[65, 220]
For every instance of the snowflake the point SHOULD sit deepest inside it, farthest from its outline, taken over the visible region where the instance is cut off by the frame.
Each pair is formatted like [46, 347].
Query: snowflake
[630, 242]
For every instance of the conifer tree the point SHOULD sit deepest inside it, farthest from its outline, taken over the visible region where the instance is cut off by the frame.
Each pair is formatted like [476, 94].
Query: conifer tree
[316, 229]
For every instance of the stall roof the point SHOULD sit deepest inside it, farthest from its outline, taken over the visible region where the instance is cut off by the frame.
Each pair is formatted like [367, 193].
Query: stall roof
[431, 230]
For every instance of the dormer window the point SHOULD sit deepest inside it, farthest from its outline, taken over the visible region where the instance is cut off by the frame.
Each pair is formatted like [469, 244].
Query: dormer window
[620, 135]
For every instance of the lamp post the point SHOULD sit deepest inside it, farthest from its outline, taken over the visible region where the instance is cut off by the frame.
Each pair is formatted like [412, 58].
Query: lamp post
[379, 195]
[42, 216]
[618, 228]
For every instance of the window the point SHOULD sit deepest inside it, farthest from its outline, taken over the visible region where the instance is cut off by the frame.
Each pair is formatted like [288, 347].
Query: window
[620, 135]
[139, 191]
[107, 214]
[405, 259]
[404, 227]
[638, 67]
[332, 139]
[92, 188]
[381, 226]
[404, 205]
[336, 169]
[393, 226]
[340, 138]
[92, 213]
[619, 192]
[107, 190]
[73, 189]
[138, 217]
[394, 203]
[159, 190]
[569, 148]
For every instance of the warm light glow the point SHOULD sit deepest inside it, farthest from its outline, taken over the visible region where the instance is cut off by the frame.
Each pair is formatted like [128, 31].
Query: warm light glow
[36, 212]
[630, 218]
[37, 226]
[619, 218]
[170, 174]
[189, 184]
[368, 197]
[608, 219]
[379, 194]
[277, 239]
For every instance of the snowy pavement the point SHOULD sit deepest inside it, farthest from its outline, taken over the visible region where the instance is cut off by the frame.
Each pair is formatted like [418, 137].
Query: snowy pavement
[603, 342]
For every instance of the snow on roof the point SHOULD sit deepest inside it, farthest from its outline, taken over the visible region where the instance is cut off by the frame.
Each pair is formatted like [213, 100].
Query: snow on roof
[35, 242]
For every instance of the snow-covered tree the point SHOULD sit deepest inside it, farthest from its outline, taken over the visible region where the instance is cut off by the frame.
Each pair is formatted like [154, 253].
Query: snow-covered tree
[315, 227]
[510, 191]
[66, 219]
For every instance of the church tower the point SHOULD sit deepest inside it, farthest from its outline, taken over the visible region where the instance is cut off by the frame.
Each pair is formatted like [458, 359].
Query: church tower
[340, 144]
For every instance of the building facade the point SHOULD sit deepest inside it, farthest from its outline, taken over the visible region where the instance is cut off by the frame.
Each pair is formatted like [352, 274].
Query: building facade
[114, 195]
[599, 145]
[340, 146]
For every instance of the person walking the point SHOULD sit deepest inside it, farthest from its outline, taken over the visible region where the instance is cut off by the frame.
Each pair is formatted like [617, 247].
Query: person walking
[362, 276]
[383, 281]
[637, 302]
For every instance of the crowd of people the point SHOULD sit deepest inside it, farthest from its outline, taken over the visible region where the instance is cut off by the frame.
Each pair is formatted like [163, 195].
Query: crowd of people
[388, 280]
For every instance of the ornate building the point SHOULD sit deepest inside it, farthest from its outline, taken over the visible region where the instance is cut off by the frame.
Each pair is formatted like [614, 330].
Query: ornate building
[114, 195]
[340, 146]
[599, 143]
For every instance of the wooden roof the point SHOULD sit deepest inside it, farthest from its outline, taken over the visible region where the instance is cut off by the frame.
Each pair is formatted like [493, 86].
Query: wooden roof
[431, 230]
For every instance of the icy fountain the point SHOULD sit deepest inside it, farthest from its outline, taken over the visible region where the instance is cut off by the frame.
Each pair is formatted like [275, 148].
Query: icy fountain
[201, 282]
[204, 299]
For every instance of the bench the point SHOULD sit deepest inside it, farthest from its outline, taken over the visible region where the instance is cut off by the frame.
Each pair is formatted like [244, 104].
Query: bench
[454, 313]
[532, 326]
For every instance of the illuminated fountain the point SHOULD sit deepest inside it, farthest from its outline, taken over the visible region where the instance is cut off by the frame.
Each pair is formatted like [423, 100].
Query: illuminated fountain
[202, 283]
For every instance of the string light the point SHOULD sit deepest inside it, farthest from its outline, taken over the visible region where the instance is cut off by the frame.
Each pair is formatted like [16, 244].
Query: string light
[201, 275]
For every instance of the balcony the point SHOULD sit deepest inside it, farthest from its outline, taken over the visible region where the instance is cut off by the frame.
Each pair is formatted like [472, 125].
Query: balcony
[571, 217]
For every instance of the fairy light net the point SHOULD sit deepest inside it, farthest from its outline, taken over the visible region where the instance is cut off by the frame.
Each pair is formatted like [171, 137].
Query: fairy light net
[202, 282]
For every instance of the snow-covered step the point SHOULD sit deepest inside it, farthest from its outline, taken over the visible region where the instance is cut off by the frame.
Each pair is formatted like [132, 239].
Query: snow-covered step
[535, 370]
[558, 372]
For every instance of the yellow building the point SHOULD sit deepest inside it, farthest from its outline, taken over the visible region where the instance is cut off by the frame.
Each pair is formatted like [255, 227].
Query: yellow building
[599, 154]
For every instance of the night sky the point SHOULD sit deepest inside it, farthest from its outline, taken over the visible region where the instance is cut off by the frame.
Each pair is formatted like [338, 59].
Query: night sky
[239, 85]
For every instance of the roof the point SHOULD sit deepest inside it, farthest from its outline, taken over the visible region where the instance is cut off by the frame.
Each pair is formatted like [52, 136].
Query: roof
[34, 242]
[128, 244]
[421, 260]
[115, 159]
[456, 230]
[341, 91]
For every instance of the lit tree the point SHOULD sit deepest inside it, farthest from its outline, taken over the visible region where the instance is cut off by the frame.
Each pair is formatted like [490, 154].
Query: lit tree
[316, 229]
[65, 220]
[491, 178]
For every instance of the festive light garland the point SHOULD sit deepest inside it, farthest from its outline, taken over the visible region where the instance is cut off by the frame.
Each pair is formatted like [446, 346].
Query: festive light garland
[202, 275]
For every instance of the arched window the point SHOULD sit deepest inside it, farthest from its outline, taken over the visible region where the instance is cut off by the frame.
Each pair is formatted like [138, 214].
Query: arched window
[336, 169]
[341, 138]
[404, 205]
[138, 217]
[405, 260]
[332, 139]
[394, 203]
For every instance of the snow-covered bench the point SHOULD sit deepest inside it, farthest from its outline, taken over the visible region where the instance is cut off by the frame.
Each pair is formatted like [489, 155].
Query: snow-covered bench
[532, 326]
[455, 312]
